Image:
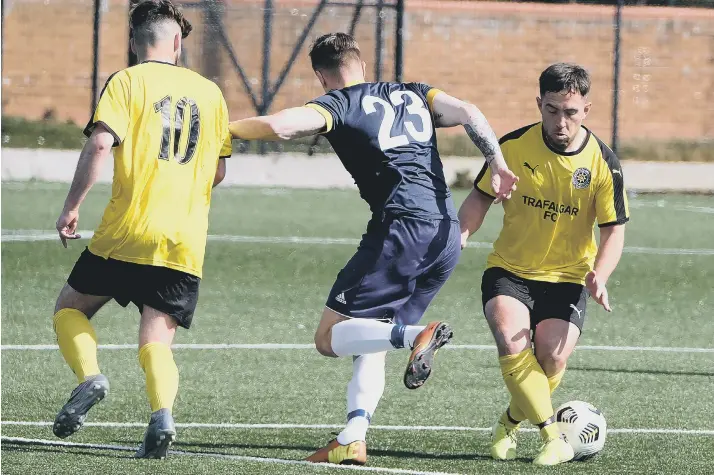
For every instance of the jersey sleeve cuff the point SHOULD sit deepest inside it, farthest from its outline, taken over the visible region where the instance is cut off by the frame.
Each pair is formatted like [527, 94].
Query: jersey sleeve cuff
[92, 125]
[478, 179]
[613, 223]
[483, 192]
[433, 92]
[329, 120]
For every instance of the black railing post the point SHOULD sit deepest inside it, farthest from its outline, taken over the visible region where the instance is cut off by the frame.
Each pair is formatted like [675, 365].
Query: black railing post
[378, 41]
[211, 67]
[355, 17]
[95, 55]
[267, 40]
[616, 78]
[399, 43]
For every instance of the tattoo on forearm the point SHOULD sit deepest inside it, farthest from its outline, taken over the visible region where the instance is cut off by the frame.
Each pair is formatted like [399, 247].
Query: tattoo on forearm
[485, 139]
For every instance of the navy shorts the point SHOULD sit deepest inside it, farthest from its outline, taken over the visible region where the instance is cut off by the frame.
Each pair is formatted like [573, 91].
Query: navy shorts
[398, 269]
[169, 291]
[560, 300]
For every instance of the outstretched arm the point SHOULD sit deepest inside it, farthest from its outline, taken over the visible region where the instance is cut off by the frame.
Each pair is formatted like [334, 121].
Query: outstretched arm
[449, 112]
[287, 124]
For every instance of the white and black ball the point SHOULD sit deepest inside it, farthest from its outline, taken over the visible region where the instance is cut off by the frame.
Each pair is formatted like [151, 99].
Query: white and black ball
[583, 426]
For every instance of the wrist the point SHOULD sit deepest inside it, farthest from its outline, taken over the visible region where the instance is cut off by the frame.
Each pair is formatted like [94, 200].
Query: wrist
[70, 208]
[602, 276]
[496, 162]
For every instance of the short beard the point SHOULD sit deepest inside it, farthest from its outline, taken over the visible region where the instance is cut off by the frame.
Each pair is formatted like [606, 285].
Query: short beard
[558, 146]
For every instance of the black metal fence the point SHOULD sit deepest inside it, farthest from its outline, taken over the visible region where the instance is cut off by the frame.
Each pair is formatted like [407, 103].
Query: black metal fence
[251, 48]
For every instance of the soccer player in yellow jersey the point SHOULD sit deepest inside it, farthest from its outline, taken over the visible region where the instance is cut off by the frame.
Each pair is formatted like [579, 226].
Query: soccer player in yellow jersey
[168, 126]
[545, 262]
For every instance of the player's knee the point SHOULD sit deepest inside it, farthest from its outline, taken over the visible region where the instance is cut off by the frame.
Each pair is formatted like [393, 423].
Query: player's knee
[552, 362]
[511, 342]
[323, 344]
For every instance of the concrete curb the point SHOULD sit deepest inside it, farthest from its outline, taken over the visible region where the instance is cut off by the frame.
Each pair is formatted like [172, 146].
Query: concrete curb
[326, 171]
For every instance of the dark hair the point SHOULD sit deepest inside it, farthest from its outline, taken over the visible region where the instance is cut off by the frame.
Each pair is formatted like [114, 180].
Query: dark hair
[333, 50]
[147, 13]
[568, 77]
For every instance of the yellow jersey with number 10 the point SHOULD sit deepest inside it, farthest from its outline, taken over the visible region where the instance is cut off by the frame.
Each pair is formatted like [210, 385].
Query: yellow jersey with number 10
[170, 126]
[547, 232]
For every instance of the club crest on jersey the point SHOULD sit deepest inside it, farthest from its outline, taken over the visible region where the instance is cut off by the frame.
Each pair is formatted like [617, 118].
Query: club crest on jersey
[581, 178]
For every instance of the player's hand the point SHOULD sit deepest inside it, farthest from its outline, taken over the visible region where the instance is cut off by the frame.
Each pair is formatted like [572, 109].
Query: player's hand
[67, 226]
[464, 238]
[503, 182]
[597, 289]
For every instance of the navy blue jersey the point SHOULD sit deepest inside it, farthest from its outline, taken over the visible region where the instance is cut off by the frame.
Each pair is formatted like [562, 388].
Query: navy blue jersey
[384, 135]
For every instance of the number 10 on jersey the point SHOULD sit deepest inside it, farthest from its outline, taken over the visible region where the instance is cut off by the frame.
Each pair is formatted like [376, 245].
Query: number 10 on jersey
[163, 107]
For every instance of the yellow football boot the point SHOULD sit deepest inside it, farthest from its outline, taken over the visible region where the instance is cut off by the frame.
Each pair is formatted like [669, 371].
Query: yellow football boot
[553, 452]
[354, 453]
[503, 442]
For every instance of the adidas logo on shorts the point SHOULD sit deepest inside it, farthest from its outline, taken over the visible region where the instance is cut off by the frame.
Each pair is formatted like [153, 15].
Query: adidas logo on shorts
[341, 298]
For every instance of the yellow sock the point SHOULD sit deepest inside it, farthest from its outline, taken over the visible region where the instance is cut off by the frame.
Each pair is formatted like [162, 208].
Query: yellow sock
[554, 381]
[528, 386]
[517, 414]
[162, 376]
[77, 342]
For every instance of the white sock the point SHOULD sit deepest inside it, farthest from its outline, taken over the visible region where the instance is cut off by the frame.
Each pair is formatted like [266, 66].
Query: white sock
[361, 336]
[410, 334]
[363, 394]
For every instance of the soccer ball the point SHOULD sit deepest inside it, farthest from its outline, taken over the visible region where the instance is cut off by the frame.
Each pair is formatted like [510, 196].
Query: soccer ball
[583, 426]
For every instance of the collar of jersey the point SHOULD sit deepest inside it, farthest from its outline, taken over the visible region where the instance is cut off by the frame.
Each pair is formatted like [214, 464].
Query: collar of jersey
[155, 61]
[353, 83]
[566, 154]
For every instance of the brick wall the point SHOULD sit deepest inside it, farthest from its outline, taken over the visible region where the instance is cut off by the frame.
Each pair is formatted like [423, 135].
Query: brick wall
[488, 53]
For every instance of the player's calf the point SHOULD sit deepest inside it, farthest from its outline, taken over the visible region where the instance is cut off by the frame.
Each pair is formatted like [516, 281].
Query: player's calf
[342, 336]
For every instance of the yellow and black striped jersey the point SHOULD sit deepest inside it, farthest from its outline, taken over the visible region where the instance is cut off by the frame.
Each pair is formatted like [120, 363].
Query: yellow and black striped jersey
[547, 232]
[170, 126]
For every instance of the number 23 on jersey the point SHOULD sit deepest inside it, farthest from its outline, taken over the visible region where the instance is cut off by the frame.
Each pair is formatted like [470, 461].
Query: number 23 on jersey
[415, 107]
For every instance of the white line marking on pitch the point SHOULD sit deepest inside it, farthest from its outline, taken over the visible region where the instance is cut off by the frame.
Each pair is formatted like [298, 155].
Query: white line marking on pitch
[30, 235]
[242, 458]
[201, 425]
[310, 346]
[672, 207]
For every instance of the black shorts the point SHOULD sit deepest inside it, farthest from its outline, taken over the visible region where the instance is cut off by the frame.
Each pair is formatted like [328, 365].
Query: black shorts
[561, 300]
[399, 267]
[169, 291]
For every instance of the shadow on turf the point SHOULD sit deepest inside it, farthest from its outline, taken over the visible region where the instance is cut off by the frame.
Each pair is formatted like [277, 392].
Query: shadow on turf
[626, 371]
[310, 449]
[645, 371]
[90, 452]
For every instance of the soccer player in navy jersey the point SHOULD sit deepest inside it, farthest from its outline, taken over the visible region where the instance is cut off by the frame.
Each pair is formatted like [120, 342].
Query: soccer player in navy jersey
[384, 134]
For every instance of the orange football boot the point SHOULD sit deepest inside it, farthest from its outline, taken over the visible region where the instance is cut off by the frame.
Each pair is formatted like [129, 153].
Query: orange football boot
[354, 453]
[426, 345]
